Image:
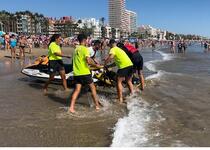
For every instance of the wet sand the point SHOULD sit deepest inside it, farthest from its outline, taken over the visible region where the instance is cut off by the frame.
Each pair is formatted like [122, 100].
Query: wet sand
[28, 118]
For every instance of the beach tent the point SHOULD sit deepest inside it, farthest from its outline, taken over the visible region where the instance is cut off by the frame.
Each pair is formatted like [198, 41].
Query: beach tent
[2, 33]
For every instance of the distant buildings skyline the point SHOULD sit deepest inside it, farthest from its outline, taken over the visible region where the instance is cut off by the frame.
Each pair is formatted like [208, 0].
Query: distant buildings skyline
[120, 17]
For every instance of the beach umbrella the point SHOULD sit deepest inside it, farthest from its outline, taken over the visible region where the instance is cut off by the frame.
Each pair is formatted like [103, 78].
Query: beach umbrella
[2, 33]
[13, 33]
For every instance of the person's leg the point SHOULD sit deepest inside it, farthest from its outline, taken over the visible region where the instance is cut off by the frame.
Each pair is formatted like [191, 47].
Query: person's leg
[30, 48]
[11, 52]
[63, 77]
[48, 82]
[15, 52]
[20, 52]
[74, 97]
[130, 84]
[141, 77]
[120, 88]
[94, 95]
[23, 52]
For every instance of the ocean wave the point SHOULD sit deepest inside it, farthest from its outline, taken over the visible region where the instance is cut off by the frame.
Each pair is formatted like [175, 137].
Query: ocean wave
[132, 131]
[151, 65]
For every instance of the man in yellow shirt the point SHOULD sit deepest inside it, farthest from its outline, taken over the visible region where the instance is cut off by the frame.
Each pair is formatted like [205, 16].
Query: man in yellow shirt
[82, 74]
[124, 65]
[55, 61]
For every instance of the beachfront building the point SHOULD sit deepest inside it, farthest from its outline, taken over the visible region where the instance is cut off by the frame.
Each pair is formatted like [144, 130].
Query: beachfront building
[148, 31]
[24, 24]
[65, 25]
[93, 25]
[132, 22]
[116, 14]
[121, 19]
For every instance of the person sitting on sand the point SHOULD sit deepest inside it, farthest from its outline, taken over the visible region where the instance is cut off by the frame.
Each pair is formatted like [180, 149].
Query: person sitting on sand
[55, 61]
[125, 66]
[82, 74]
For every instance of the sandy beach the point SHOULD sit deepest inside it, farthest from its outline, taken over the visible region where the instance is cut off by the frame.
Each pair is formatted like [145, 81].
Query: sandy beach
[32, 119]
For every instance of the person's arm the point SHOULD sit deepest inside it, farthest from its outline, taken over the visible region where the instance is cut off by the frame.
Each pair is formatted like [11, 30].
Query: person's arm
[108, 59]
[61, 55]
[92, 63]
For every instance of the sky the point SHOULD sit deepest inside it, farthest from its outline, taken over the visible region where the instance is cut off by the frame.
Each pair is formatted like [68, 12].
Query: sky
[180, 16]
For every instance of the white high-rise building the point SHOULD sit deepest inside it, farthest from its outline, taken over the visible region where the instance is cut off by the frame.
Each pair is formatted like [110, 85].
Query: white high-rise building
[116, 14]
[132, 21]
[120, 18]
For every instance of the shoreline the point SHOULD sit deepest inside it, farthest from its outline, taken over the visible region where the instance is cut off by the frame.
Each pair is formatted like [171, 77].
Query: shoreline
[84, 131]
[61, 129]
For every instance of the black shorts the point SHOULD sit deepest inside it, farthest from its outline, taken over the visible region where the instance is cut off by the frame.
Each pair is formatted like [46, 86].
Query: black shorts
[22, 47]
[138, 62]
[55, 66]
[126, 72]
[83, 80]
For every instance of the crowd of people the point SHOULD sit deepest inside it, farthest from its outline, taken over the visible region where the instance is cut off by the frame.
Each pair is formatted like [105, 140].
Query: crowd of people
[89, 52]
[124, 53]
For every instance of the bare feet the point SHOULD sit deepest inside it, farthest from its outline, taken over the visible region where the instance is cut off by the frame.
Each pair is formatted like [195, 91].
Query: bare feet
[121, 100]
[67, 90]
[45, 92]
[71, 110]
[97, 108]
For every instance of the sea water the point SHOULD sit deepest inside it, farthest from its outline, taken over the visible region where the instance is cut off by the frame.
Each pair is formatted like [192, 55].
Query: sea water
[174, 109]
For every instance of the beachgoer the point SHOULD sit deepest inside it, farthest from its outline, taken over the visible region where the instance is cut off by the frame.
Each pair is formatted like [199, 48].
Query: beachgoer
[7, 39]
[124, 65]
[82, 74]
[2, 42]
[179, 47]
[22, 45]
[94, 51]
[13, 44]
[55, 61]
[30, 44]
[184, 46]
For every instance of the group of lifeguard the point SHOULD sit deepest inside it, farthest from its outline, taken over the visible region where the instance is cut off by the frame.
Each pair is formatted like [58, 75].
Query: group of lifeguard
[126, 57]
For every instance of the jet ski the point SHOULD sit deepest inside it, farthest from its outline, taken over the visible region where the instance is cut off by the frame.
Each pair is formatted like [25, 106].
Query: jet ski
[101, 76]
[39, 70]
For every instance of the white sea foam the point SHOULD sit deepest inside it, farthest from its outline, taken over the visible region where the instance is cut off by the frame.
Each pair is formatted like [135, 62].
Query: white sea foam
[151, 65]
[131, 131]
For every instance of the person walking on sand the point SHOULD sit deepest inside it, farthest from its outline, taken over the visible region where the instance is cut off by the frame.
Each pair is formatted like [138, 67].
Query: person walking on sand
[55, 61]
[82, 74]
[30, 44]
[7, 39]
[13, 44]
[22, 45]
[124, 65]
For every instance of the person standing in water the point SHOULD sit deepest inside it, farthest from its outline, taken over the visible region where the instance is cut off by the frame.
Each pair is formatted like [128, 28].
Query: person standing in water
[13, 44]
[136, 58]
[55, 61]
[82, 74]
[125, 66]
[22, 45]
